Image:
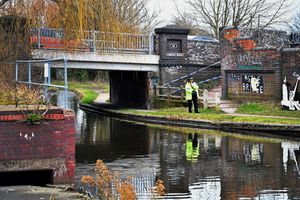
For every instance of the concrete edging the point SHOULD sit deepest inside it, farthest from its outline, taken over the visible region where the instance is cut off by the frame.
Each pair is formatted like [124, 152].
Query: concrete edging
[260, 129]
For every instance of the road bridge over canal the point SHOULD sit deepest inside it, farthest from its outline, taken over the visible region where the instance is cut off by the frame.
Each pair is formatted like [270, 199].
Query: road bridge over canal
[135, 62]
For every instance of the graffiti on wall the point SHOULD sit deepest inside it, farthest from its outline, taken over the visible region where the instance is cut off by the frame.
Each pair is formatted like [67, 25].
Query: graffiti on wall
[228, 61]
[235, 77]
[288, 96]
[248, 61]
[249, 39]
[173, 70]
[253, 83]
[200, 52]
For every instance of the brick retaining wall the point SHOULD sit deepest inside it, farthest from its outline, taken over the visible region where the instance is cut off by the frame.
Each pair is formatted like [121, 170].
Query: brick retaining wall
[49, 145]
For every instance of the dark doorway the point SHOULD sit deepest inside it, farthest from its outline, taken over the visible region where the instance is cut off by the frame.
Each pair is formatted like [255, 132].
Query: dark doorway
[28, 177]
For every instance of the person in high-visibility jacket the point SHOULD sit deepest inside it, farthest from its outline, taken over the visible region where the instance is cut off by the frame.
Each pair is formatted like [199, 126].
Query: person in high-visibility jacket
[192, 94]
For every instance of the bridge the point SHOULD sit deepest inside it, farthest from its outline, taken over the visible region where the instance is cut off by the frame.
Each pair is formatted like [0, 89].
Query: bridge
[136, 62]
[96, 50]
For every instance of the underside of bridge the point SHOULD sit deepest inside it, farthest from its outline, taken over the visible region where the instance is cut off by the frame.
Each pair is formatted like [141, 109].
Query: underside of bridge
[129, 89]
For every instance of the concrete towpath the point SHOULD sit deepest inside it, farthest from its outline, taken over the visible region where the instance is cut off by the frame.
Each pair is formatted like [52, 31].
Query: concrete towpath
[102, 97]
[39, 193]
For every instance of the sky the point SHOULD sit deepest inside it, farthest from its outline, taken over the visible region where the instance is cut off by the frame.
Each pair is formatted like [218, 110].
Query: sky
[168, 9]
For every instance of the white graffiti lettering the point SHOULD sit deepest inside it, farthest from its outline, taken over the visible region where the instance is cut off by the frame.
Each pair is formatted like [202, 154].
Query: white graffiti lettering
[173, 70]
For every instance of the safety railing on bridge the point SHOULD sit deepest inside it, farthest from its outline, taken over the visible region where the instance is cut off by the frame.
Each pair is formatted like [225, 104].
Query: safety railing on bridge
[92, 41]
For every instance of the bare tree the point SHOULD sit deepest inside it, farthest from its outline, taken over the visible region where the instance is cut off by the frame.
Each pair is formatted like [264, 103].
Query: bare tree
[246, 13]
[104, 15]
[183, 20]
[295, 24]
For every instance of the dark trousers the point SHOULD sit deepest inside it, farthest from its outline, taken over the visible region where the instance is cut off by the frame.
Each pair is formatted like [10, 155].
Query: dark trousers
[193, 101]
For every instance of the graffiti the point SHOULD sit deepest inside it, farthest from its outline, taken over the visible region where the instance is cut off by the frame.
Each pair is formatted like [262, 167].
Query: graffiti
[231, 34]
[246, 44]
[246, 67]
[203, 52]
[235, 77]
[228, 61]
[27, 136]
[251, 38]
[295, 38]
[247, 59]
[173, 70]
[252, 83]
[288, 96]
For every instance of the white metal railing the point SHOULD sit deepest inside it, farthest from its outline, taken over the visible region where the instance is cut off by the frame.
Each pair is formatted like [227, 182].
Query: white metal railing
[92, 41]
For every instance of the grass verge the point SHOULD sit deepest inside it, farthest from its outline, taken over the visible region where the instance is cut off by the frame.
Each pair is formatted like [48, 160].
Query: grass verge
[212, 115]
[87, 90]
[268, 109]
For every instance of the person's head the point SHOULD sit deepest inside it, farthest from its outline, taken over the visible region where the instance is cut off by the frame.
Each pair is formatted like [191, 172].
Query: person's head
[190, 80]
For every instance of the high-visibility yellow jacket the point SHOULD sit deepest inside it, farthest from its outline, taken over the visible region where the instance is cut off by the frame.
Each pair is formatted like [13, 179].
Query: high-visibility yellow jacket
[189, 88]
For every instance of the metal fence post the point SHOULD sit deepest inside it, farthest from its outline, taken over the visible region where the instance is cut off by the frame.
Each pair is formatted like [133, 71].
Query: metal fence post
[15, 95]
[29, 74]
[94, 41]
[66, 83]
[151, 43]
[205, 98]
[17, 69]
[39, 38]
[46, 75]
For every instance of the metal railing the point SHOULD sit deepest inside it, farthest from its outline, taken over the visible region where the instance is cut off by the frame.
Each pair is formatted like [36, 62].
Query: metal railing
[92, 41]
[46, 66]
[178, 93]
[192, 73]
[169, 92]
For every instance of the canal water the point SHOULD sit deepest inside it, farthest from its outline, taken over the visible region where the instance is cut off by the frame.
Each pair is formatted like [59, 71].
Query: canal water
[193, 163]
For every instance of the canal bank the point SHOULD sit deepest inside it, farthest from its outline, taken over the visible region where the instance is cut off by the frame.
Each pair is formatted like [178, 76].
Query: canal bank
[224, 122]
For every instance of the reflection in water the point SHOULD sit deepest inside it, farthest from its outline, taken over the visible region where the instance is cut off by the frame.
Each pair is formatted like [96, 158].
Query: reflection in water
[214, 167]
[289, 154]
[192, 148]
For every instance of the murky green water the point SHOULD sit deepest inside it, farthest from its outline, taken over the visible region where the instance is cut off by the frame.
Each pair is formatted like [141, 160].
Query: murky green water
[209, 165]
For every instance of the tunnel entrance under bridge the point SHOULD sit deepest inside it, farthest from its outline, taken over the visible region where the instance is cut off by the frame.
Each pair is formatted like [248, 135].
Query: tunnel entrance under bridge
[129, 89]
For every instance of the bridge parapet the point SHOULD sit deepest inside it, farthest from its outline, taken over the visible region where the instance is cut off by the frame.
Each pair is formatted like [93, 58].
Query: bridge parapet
[92, 41]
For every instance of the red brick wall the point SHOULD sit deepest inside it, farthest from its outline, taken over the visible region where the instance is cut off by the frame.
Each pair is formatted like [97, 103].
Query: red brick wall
[244, 55]
[49, 145]
[291, 64]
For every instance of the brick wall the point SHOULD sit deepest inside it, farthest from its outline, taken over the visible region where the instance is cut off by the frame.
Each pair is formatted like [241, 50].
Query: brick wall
[49, 145]
[290, 64]
[203, 52]
[251, 64]
[172, 72]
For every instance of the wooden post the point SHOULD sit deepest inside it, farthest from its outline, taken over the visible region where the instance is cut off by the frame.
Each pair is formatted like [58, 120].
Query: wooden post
[169, 92]
[205, 99]
[217, 100]
[155, 91]
[182, 92]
